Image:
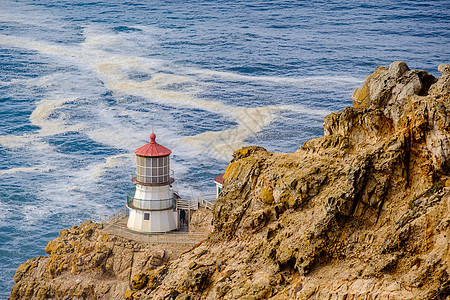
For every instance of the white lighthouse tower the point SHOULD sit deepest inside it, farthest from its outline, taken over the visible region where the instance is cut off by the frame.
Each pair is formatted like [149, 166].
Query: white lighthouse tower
[152, 207]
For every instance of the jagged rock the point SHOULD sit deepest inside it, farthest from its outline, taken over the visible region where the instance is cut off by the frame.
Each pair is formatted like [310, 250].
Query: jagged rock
[333, 219]
[444, 69]
[197, 279]
[360, 213]
[139, 281]
[87, 263]
[389, 89]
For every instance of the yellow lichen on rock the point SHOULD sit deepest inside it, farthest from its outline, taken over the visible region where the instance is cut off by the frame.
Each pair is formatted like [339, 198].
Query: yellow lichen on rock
[86, 263]
[241, 153]
[362, 212]
[360, 96]
[129, 295]
[266, 195]
[139, 281]
[317, 215]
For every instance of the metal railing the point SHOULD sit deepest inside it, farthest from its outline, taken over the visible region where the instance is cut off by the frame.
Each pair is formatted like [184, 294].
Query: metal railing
[145, 204]
[207, 201]
[173, 237]
[187, 204]
[209, 197]
[110, 218]
[115, 217]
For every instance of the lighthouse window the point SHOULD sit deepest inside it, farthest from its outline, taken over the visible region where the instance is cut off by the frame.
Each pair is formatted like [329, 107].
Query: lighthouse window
[146, 216]
[153, 169]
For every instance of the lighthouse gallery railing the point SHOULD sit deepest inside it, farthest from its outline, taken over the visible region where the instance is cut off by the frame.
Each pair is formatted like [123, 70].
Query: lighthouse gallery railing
[145, 204]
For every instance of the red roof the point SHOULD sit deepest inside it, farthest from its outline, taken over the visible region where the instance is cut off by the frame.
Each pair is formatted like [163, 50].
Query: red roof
[219, 179]
[152, 149]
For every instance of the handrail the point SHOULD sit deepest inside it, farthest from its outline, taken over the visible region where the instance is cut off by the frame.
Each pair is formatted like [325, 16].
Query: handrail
[172, 237]
[187, 204]
[169, 181]
[147, 204]
[130, 196]
[209, 197]
[163, 204]
[207, 204]
[111, 218]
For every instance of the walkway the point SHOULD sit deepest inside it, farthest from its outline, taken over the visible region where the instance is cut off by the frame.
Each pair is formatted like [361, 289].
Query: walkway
[119, 228]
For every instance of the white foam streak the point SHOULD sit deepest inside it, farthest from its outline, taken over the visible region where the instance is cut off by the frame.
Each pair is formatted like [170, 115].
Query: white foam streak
[24, 170]
[102, 65]
[299, 81]
[115, 161]
[14, 142]
[221, 144]
[113, 69]
[166, 97]
[250, 120]
[40, 46]
[306, 111]
[50, 126]
[13, 12]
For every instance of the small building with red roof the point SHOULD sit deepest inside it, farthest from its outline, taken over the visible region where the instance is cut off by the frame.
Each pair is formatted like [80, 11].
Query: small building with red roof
[219, 184]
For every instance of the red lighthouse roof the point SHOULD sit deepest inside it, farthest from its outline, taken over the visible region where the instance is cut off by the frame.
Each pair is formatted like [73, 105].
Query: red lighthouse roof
[152, 149]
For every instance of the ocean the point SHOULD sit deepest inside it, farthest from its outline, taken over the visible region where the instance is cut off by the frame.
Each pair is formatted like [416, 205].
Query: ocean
[83, 83]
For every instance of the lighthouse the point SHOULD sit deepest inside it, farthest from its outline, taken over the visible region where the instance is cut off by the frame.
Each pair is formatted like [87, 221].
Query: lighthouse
[152, 205]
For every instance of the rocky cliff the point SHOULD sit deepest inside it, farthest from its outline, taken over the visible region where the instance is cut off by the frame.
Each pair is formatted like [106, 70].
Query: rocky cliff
[360, 213]
[84, 262]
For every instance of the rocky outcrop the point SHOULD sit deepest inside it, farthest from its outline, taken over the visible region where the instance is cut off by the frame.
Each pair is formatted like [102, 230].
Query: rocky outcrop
[360, 213]
[84, 262]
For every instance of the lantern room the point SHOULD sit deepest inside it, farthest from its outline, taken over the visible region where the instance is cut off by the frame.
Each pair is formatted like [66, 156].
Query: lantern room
[153, 163]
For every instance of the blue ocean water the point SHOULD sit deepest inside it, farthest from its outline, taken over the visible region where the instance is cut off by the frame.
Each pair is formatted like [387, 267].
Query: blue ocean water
[83, 83]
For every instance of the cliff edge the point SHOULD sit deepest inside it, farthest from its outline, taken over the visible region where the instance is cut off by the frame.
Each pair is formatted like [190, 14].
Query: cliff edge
[360, 213]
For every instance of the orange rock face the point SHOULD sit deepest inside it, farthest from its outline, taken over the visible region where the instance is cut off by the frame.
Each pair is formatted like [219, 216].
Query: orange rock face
[360, 213]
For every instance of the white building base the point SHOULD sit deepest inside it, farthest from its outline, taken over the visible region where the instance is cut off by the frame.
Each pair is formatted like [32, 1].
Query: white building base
[152, 221]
